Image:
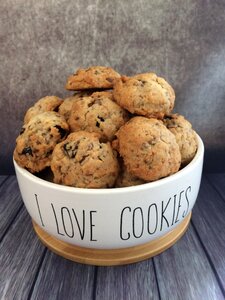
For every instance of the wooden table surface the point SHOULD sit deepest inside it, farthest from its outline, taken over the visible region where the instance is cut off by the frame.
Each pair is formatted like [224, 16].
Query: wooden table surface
[194, 268]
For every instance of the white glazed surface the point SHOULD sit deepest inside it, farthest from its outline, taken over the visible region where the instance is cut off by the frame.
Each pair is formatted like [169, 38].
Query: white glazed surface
[112, 218]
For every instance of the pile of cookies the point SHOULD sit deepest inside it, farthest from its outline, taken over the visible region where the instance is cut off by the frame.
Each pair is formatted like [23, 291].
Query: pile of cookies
[114, 131]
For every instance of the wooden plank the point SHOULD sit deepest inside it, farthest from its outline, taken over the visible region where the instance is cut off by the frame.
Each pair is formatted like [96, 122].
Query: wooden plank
[209, 221]
[20, 257]
[2, 179]
[184, 272]
[133, 282]
[60, 278]
[218, 181]
[10, 203]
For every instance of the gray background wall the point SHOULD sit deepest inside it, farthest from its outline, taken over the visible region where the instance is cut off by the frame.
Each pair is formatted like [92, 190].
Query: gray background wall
[42, 42]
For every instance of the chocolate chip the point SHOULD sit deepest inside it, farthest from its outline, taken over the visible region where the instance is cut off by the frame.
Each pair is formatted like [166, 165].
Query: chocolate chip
[101, 119]
[97, 124]
[71, 149]
[109, 79]
[56, 109]
[168, 117]
[27, 150]
[61, 130]
[90, 104]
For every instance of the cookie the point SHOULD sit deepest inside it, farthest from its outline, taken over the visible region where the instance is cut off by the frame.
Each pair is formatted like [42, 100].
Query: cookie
[144, 94]
[48, 103]
[148, 148]
[95, 77]
[185, 136]
[37, 140]
[98, 113]
[83, 161]
[66, 107]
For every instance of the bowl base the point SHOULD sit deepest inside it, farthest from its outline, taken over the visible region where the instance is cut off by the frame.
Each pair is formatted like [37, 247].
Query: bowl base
[112, 257]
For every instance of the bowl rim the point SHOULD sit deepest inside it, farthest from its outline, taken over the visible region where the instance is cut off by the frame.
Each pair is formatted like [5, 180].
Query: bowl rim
[145, 186]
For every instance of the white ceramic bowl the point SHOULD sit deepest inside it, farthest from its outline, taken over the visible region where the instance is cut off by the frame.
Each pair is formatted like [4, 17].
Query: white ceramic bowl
[112, 218]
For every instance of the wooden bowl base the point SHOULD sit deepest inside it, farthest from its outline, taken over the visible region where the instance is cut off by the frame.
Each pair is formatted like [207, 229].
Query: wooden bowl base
[112, 257]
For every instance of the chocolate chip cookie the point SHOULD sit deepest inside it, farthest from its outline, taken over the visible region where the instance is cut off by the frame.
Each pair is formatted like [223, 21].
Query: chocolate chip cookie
[144, 94]
[185, 136]
[48, 103]
[148, 148]
[98, 113]
[83, 161]
[95, 77]
[37, 140]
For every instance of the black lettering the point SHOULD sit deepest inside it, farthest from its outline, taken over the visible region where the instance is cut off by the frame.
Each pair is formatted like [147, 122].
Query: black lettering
[64, 226]
[78, 224]
[156, 214]
[121, 224]
[174, 207]
[142, 222]
[39, 211]
[179, 206]
[186, 197]
[57, 225]
[162, 214]
[92, 225]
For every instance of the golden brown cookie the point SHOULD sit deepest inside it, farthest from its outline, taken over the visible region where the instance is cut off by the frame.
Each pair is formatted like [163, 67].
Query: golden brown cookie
[144, 94]
[98, 113]
[148, 148]
[95, 77]
[37, 140]
[83, 161]
[48, 103]
[185, 136]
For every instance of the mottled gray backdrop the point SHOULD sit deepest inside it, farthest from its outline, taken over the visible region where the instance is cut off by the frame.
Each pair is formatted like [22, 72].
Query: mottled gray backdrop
[42, 42]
